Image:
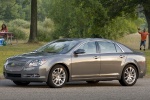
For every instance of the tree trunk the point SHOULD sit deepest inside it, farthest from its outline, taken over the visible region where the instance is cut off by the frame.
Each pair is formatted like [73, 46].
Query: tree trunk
[147, 15]
[33, 25]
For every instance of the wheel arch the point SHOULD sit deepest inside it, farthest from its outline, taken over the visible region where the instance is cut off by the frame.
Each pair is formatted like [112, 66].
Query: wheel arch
[64, 65]
[134, 66]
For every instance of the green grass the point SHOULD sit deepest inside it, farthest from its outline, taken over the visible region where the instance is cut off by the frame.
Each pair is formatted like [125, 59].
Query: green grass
[147, 53]
[12, 50]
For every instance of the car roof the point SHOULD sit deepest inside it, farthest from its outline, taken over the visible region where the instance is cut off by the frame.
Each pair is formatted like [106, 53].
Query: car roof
[123, 47]
[86, 39]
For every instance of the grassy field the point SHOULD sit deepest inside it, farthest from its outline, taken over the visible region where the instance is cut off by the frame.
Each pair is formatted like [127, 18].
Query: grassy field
[10, 50]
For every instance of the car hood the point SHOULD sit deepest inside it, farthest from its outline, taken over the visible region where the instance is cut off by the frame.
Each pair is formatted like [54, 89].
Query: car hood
[31, 55]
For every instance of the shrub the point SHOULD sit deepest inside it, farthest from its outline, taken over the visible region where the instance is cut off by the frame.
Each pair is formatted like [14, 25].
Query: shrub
[18, 33]
[19, 23]
[45, 30]
[44, 34]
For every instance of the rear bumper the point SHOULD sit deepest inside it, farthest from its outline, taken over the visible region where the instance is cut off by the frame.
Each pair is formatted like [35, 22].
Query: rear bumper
[142, 74]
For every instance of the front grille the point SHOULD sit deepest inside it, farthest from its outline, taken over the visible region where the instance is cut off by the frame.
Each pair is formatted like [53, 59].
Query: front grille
[15, 66]
[13, 75]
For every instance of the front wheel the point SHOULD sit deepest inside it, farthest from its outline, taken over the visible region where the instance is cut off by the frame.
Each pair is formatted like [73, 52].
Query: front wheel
[20, 83]
[129, 76]
[57, 77]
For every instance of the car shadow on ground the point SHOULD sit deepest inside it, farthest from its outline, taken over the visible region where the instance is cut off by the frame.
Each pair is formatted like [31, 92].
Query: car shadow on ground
[84, 84]
[69, 84]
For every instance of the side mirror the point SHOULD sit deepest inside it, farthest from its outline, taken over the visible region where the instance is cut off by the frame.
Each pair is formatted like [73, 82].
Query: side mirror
[79, 51]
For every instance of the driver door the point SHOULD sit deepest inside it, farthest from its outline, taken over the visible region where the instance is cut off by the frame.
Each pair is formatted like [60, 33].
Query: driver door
[86, 65]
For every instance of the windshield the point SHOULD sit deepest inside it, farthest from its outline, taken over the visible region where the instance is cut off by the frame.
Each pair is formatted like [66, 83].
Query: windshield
[59, 46]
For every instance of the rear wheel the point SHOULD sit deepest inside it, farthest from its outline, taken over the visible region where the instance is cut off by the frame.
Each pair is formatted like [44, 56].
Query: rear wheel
[129, 76]
[57, 76]
[20, 83]
[92, 82]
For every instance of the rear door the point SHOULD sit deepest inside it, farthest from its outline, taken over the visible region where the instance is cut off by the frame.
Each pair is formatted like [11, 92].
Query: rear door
[111, 59]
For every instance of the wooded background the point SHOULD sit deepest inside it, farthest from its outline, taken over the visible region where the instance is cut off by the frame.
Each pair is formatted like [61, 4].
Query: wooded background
[110, 19]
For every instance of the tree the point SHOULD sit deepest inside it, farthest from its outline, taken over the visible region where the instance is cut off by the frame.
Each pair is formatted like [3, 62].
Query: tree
[145, 4]
[8, 10]
[91, 18]
[76, 18]
[33, 26]
[117, 7]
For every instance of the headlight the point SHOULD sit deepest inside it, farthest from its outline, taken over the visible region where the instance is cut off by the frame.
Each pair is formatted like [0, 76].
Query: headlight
[6, 62]
[38, 62]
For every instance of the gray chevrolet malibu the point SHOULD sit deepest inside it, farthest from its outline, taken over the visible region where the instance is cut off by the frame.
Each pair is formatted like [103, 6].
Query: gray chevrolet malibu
[91, 60]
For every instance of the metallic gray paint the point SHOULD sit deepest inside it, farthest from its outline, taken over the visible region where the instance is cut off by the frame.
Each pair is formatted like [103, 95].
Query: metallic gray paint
[83, 67]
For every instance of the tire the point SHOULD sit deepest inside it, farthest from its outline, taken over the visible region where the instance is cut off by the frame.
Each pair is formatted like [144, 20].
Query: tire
[92, 82]
[129, 76]
[57, 77]
[19, 83]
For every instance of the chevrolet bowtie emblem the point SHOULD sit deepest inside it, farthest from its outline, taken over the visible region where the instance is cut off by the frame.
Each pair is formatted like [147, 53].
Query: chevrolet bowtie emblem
[12, 64]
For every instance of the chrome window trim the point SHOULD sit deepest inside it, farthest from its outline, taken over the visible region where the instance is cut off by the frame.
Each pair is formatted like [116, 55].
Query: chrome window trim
[120, 47]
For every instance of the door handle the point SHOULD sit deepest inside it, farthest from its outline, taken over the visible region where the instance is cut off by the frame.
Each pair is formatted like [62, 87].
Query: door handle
[121, 56]
[96, 57]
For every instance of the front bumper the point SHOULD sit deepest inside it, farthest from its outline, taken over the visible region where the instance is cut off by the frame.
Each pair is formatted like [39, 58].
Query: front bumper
[35, 74]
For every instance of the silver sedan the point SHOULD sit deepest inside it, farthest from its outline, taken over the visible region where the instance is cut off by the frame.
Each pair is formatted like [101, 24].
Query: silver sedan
[91, 60]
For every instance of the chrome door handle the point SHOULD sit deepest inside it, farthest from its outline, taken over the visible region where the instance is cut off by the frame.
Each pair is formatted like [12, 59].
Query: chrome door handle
[96, 57]
[121, 56]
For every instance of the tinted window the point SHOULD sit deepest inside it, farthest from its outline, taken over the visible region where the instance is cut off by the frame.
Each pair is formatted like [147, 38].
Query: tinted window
[90, 48]
[107, 47]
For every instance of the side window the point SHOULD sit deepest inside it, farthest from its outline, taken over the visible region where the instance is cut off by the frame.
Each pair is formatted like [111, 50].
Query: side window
[90, 48]
[107, 47]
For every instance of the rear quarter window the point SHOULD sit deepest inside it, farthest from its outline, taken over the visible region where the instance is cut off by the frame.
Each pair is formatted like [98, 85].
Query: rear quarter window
[125, 48]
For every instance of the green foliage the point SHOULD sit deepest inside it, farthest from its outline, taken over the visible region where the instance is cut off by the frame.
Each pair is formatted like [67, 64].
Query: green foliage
[90, 18]
[119, 27]
[5, 7]
[18, 27]
[74, 18]
[45, 30]
[19, 9]
[11, 9]
[19, 23]
[21, 29]
[18, 33]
